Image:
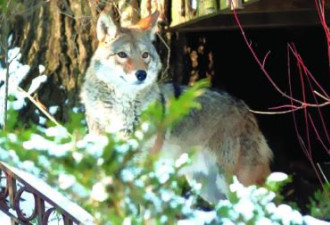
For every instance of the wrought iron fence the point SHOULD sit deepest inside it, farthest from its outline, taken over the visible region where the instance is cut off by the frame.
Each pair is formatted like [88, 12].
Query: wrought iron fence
[28, 200]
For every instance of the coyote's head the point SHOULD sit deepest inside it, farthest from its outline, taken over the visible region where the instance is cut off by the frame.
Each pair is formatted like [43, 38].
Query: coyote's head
[125, 56]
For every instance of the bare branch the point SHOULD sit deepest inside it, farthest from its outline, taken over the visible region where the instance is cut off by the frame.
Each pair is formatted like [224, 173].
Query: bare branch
[274, 113]
[321, 171]
[168, 57]
[318, 135]
[41, 108]
[265, 59]
[255, 56]
[321, 96]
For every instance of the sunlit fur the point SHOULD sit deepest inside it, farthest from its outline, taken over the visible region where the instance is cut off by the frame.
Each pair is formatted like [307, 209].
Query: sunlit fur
[120, 72]
[224, 131]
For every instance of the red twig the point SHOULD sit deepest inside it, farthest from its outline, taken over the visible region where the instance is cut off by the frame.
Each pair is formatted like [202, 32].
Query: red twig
[327, 149]
[309, 76]
[263, 69]
[307, 82]
[301, 70]
[293, 107]
[307, 152]
[265, 58]
[320, 10]
[299, 59]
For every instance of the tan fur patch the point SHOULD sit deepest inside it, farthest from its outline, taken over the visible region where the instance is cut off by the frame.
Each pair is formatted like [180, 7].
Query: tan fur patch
[252, 174]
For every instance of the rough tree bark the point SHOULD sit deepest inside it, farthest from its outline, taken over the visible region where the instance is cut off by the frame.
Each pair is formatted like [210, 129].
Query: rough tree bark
[59, 35]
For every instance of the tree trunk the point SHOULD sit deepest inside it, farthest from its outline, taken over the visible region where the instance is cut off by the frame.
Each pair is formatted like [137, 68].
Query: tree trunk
[59, 35]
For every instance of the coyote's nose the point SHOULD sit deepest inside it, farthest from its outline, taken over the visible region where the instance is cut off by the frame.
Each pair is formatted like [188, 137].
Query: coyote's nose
[141, 75]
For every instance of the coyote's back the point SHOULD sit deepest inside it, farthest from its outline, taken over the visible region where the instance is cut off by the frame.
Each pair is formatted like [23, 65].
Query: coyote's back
[121, 82]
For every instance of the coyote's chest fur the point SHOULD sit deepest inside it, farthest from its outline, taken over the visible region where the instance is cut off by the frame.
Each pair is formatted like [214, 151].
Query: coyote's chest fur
[121, 82]
[112, 110]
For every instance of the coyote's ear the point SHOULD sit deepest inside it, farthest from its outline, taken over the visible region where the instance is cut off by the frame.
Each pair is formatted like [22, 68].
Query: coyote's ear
[149, 24]
[106, 26]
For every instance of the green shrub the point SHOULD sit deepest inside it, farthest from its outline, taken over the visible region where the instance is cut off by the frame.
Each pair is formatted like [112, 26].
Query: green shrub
[320, 203]
[119, 183]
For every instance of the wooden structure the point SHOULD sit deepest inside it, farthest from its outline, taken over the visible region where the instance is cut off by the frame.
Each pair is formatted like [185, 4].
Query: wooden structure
[260, 14]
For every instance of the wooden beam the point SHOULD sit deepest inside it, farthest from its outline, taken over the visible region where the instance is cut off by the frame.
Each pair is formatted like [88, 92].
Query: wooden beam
[262, 14]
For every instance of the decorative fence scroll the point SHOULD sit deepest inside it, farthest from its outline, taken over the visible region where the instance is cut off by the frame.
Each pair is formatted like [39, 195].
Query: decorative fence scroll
[28, 200]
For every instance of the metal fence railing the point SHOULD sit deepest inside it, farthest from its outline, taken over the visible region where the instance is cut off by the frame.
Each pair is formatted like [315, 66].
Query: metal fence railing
[28, 200]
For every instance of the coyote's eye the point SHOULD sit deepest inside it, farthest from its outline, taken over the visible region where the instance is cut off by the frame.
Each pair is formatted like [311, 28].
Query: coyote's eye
[122, 54]
[145, 55]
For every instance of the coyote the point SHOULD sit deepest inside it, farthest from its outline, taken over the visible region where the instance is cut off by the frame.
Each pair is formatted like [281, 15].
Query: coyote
[121, 82]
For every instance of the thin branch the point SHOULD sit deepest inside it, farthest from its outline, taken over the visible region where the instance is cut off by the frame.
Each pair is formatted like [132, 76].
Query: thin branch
[294, 108]
[307, 153]
[38, 105]
[320, 113]
[318, 135]
[320, 11]
[168, 56]
[6, 86]
[306, 70]
[321, 171]
[301, 69]
[262, 67]
[275, 112]
[284, 106]
[309, 76]
[303, 104]
[7, 64]
[265, 59]
[321, 96]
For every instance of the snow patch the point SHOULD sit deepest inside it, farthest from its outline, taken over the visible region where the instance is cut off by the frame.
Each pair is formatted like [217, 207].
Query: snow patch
[41, 69]
[199, 218]
[36, 82]
[99, 192]
[37, 142]
[53, 109]
[277, 177]
[42, 120]
[94, 144]
[184, 158]
[17, 73]
[65, 181]
[58, 132]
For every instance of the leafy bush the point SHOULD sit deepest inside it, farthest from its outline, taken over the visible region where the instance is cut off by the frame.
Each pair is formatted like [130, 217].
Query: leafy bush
[118, 182]
[109, 176]
[320, 203]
